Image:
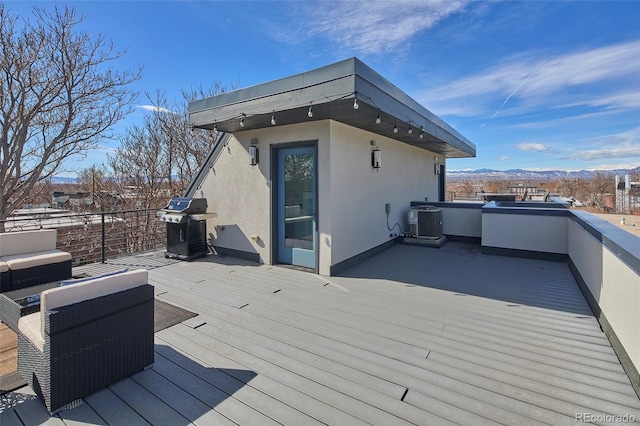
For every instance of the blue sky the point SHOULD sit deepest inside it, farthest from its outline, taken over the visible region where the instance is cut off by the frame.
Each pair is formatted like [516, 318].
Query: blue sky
[535, 85]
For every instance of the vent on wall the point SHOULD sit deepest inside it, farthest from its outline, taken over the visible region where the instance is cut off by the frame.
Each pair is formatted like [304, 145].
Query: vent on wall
[426, 222]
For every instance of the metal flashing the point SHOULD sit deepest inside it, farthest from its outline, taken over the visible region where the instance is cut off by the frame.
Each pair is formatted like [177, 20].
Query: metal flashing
[494, 208]
[624, 245]
[445, 204]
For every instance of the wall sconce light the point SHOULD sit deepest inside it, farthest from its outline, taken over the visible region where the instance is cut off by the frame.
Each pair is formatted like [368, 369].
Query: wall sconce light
[376, 159]
[254, 152]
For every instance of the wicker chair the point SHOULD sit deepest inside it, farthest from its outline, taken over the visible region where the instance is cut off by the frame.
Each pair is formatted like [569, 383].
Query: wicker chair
[86, 336]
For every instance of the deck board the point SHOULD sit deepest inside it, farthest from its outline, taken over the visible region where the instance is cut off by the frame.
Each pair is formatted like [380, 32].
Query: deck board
[317, 409]
[150, 407]
[405, 338]
[343, 401]
[114, 410]
[240, 403]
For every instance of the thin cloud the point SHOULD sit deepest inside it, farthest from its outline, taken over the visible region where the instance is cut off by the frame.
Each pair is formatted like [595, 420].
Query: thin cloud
[555, 82]
[598, 154]
[154, 108]
[614, 166]
[504, 158]
[372, 27]
[532, 146]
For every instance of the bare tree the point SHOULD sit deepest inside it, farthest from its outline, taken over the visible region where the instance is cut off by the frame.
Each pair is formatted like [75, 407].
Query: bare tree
[597, 191]
[174, 150]
[58, 95]
[97, 181]
[141, 168]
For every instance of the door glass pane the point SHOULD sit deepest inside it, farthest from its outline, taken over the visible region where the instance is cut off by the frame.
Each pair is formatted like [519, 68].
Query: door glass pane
[298, 201]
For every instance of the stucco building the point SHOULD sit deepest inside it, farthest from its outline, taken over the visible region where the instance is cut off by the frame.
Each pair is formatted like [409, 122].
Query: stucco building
[316, 169]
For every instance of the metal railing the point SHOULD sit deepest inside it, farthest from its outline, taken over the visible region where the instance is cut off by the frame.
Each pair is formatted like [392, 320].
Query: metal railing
[96, 236]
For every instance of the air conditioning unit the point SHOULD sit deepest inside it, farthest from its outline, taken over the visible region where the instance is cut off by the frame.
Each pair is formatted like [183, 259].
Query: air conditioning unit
[426, 222]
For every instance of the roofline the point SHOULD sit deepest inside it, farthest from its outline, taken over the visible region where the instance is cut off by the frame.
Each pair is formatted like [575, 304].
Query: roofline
[346, 79]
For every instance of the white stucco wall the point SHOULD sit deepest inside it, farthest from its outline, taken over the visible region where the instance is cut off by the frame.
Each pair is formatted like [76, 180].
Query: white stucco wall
[359, 192]
[462, 222]
[351, 193]
[239, 195]
[614, 285]
[586, 253]
[547, 234]
[619, 301]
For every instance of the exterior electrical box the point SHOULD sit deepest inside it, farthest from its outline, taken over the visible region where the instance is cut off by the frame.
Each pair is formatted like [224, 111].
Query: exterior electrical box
[425, 222]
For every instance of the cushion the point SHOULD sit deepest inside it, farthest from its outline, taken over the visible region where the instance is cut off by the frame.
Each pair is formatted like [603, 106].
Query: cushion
[97, 287]
[4, 266]
[29, 260]
[35, 299]
[30, 327]
[12, 243]
[81, 280]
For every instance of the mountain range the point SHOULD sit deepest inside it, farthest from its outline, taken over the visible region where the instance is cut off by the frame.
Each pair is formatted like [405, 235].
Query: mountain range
[485, 174]
[520, 174]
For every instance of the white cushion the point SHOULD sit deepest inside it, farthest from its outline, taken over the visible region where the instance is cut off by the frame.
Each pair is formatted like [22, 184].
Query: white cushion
[70, 294]
[27, 241]
[4, 266]
[30, 327]
[29, 260]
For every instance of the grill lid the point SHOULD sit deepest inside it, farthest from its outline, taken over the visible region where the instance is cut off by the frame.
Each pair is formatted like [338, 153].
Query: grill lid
[186, 205]
[180, 209]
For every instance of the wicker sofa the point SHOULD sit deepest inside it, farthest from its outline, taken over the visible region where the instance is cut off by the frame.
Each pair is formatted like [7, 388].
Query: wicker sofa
[5, 277]
[86, 336]
[31, 258]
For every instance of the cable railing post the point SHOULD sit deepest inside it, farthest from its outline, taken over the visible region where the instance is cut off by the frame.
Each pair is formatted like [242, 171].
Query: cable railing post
[102, 247]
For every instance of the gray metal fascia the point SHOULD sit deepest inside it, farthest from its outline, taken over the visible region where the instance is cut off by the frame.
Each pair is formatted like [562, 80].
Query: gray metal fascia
[288, 84]
[380, 83]
[348, 78]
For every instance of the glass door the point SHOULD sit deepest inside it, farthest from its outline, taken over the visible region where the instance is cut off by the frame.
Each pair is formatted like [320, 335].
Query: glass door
[297, 206]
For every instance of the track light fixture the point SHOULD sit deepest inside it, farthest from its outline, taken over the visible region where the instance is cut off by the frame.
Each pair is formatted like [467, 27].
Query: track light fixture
[395, 128]
[421, 132]
[215, 126]
[378, 118]
[273, 118]
[410, 131]
[242, 120]
[310, 112]
[355, 103]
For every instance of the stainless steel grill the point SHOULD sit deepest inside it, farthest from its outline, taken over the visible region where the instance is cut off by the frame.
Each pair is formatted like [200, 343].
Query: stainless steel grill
[186, 227]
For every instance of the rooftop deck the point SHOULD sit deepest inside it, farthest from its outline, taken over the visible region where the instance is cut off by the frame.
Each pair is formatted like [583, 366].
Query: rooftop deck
[412, 336]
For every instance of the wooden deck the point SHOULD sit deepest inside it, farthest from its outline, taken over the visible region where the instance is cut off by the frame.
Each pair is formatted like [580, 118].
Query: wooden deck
[413, 336]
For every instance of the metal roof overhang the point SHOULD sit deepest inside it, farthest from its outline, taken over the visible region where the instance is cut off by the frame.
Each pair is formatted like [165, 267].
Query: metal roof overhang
[331, 91]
